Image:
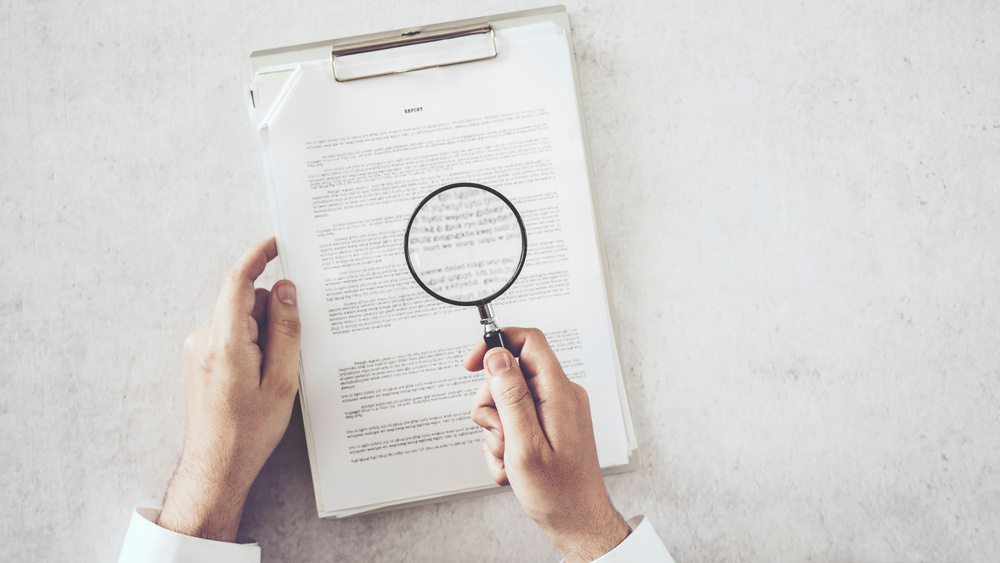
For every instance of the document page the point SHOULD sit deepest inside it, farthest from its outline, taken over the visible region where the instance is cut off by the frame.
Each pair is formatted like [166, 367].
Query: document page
[385, 397]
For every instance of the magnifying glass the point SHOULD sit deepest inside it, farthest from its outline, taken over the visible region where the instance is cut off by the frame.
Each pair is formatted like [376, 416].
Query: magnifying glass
[465, 244]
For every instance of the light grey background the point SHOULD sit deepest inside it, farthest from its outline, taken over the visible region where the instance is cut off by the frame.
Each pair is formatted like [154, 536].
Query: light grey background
[800, 209]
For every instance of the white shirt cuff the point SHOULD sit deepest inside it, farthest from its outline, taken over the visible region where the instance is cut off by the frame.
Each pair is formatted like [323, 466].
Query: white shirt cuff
[145, 542]
[641, 545]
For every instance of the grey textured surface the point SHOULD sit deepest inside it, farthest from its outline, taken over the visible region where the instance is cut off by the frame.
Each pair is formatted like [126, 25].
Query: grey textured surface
[800, 205]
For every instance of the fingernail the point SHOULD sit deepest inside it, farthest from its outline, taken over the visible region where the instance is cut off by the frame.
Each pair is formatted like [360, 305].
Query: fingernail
[495, 431]
[286, 293]
[498, 363]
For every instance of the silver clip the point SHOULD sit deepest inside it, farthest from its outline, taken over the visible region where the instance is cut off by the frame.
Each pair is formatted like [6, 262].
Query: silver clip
[414, 37]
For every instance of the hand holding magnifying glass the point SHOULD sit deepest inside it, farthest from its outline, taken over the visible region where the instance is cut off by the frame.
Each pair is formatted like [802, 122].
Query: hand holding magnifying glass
[465, 244]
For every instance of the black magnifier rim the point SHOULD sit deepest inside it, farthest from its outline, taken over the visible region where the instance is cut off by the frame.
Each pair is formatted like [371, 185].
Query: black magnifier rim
[520, 224]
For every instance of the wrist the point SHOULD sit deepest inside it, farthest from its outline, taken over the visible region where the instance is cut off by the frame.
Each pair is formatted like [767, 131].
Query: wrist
[203, 504]
[587, 545]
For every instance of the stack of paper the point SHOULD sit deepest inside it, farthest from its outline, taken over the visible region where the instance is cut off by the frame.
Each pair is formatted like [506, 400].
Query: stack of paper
[385, 399]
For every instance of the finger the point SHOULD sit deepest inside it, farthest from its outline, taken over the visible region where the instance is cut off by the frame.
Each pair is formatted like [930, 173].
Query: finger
[484, 411]
[493, 443]
[521, 342]
[474, 359]
[281, 356]
[496, 467]
[237, 298]
[513, 400]
[545, 375]
[483, 398]
[488, 419]
[259, 315]
[558, 401]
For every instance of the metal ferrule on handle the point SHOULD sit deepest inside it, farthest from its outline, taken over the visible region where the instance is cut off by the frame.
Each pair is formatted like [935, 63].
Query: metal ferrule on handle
[491, 332]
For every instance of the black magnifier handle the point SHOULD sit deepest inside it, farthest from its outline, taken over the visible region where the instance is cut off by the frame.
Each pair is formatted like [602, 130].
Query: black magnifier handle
[491, 332]
[494, 339]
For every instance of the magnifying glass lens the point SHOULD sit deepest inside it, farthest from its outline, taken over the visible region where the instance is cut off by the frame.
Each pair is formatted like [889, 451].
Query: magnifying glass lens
[465, 244]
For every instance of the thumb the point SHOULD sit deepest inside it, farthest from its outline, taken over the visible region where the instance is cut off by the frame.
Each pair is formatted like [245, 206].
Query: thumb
[281, 351]
[513, 399]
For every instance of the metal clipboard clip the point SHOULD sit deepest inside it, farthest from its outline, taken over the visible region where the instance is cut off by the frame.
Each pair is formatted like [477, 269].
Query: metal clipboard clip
[413, 50]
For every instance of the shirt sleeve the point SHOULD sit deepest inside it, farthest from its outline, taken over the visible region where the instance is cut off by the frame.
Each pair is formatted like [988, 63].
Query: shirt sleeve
[145, 542]
[642, 545]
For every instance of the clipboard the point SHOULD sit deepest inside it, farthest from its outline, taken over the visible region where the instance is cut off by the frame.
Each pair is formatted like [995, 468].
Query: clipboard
[412, 50]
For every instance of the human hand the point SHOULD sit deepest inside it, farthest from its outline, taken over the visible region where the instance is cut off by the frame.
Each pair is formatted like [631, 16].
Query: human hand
[539, 439]
[242, 374]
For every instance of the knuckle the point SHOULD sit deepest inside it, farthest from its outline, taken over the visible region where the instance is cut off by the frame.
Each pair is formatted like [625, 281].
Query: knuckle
[233, 277]
[206, 358]
[580, 398]
[284, 382]
[539, 445]
[289, 385]
[289, 327]
[199, 351]
[514, 394]
[191, 344]
[477, 416]
[537, 335]
[495, 448]
[253, 330]
[530, 457]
